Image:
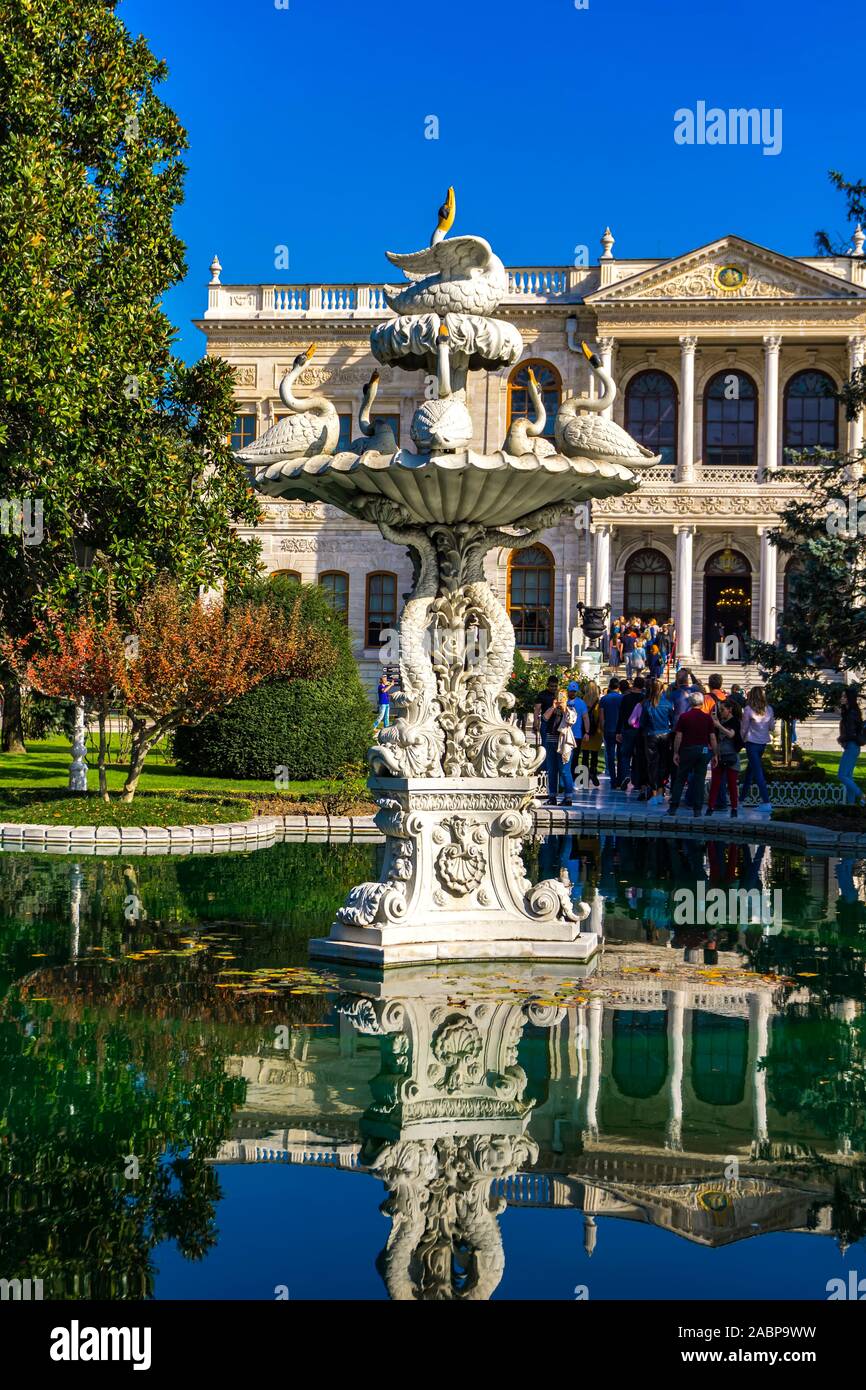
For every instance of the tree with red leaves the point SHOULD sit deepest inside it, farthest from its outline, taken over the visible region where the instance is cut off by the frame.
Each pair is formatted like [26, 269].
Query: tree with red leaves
[182, 662]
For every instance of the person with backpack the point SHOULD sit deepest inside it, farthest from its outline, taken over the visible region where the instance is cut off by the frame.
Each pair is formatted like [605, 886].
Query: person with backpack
[656, 726]
[627, 731]
[591, 745]
[851, 739]
[727, 768]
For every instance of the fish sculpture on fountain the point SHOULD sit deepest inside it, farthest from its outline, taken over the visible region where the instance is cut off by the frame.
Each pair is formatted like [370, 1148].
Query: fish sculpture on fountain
[455, 777]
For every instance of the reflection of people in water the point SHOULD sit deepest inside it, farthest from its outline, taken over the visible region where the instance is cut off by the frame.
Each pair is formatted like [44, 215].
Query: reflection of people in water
[850, 908]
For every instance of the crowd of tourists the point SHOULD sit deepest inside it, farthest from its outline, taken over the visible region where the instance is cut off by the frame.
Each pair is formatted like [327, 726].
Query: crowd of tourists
[657, 739]
[660, 741]
[641, 647]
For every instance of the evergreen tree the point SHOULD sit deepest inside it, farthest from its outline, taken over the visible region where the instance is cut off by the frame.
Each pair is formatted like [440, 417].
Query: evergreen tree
[115, 451]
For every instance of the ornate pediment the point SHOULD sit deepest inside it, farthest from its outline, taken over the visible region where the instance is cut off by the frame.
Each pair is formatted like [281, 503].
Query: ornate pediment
[728, 269]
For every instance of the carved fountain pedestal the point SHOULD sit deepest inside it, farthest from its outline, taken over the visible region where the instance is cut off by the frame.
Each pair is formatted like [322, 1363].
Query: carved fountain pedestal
[453, 884]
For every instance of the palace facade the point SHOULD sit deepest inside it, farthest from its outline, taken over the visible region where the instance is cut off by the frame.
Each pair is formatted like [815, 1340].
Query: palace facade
[726, 361]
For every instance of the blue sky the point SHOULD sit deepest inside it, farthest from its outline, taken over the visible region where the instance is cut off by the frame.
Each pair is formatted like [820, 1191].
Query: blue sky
[307, 128]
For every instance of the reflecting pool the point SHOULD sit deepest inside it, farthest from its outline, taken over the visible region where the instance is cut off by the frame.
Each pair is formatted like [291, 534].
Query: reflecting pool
[188, 1110]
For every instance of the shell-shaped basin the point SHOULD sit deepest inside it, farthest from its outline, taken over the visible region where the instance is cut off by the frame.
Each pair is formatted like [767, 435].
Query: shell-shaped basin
[489, 489]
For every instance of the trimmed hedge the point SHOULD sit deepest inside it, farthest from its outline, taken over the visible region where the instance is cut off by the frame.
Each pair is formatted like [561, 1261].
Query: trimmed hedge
[313, 728]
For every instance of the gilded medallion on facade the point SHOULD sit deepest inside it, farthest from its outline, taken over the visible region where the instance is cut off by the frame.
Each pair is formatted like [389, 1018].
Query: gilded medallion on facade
[730, 277]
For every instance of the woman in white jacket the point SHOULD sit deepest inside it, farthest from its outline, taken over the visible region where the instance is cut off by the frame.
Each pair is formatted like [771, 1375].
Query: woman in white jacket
[561, 719]
[756, 730]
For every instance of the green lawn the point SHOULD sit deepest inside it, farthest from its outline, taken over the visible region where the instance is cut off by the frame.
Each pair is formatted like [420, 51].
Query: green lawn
[34, 790]
[46, 765]
[830, 762]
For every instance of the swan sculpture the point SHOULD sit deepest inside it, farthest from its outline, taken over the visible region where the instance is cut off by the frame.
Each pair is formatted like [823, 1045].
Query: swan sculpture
[582, 433]
[313, 427]
[460, 275]
[376, 435]
[443, 424]
[524, 436]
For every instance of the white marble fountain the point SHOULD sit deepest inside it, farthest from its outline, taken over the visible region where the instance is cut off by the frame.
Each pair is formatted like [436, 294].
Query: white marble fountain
[454, 778]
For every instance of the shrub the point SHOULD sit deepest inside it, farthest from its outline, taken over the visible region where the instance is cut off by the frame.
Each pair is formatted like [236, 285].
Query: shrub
[312, 727]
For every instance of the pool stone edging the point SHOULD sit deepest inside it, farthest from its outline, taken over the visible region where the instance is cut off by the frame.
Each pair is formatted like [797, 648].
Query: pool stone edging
[262, 831]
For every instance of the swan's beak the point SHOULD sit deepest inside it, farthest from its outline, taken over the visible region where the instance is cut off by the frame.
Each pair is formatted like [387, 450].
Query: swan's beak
[443, 333]
[447, 212]
[374, 379]
[532, 378]
[592, 357]
[310, 350]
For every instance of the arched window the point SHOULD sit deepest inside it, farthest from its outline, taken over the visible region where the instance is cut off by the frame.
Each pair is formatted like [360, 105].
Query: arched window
[336, 586]
[285, 574]
[811, 413]
[651, 413]
[381, 605]
[648, 585]
[520, 402]
[530, 596]
[731, 420]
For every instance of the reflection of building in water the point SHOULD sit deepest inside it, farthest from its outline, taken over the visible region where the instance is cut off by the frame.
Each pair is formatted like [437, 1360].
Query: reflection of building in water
[651, 1106]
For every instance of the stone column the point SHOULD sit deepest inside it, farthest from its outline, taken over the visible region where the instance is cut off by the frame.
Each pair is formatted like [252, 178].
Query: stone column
[676, 1004]
[605, 352]
[767, 620]
[601, 566]
[771, 405]
[856, 347]
[684, 581]
[596, 1014]
[759, 1020]
[686, 459]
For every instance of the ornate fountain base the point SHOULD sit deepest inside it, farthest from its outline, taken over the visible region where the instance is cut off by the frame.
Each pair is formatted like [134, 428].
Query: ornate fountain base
[453, 884]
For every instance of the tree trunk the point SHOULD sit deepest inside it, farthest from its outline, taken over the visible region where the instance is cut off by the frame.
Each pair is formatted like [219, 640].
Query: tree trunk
[103, 753]
[786, 742]
[143, 740]
[13, 726]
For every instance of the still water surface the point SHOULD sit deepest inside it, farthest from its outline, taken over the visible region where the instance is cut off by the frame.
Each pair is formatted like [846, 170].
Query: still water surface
[187, 1110]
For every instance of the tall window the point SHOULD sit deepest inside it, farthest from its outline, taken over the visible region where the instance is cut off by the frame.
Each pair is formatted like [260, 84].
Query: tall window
[648, 586]
[530, 596]
[336, 586]
[731, 420]
[811, 413]
[381, 605]
[345, 441]
[520, 402]
[243, 431]
[651, 413]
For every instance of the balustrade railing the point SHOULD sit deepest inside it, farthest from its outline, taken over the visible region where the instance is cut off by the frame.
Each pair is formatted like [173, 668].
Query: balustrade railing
[246, 301]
